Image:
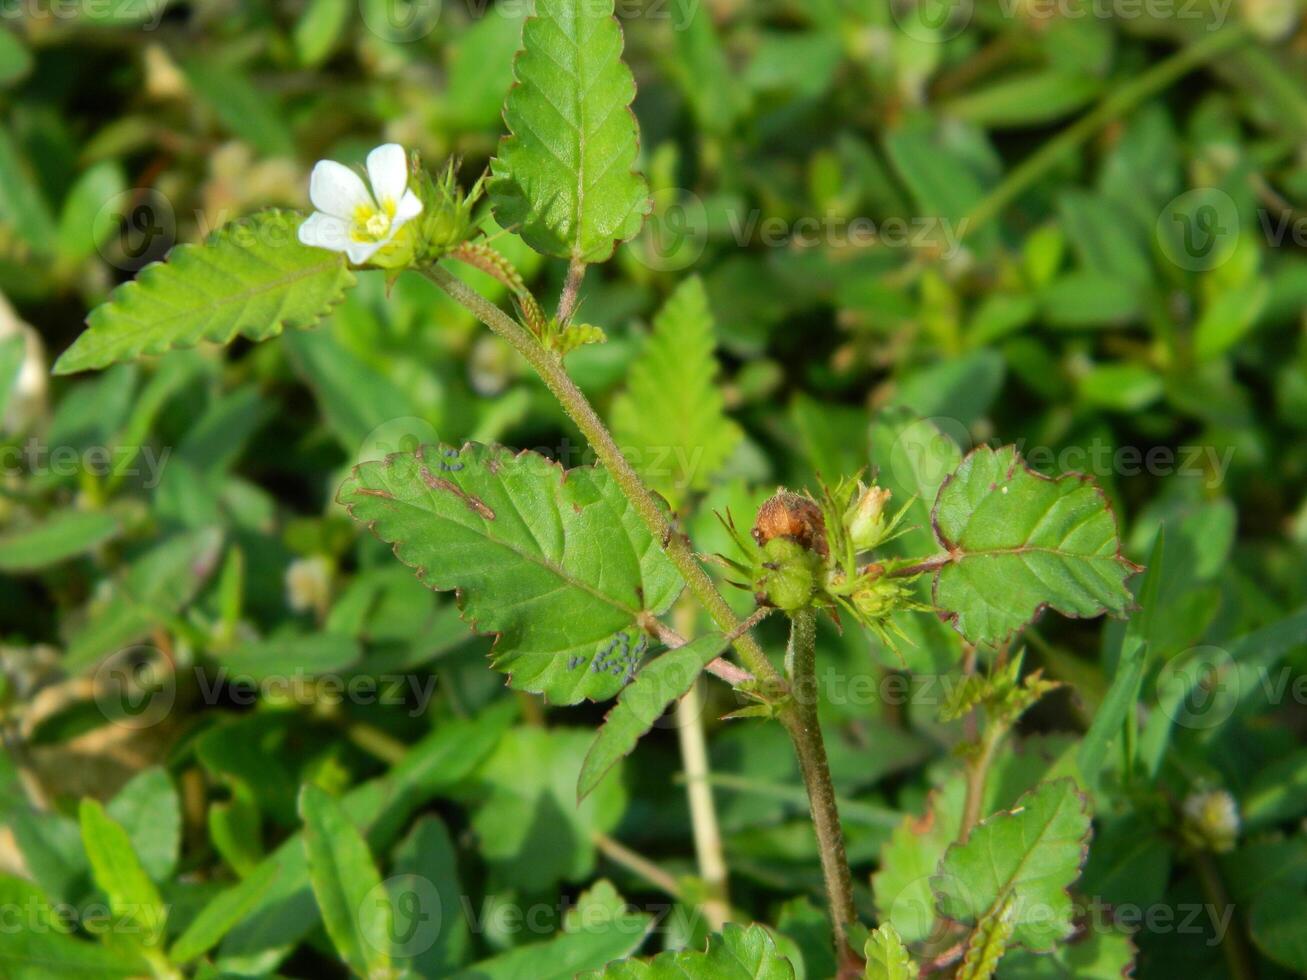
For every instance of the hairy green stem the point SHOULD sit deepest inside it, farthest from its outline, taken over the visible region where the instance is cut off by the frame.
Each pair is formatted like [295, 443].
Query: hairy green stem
[977, 776]
[798, 714]
[1115, 105]
[800, 720]
[676, 546]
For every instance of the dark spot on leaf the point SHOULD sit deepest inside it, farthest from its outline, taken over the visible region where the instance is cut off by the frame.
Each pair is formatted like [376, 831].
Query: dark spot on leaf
[474, 503]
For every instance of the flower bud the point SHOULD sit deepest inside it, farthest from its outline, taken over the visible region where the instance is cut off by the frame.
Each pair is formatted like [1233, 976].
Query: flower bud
[308, 583]
[446, 220]
[865, 517]
[793, 517]
[877, 596]
[1210, 820]
[788, 574]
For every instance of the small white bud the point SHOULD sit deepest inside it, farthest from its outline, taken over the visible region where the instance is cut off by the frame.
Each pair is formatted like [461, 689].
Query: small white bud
[308, 583]
[1211, 820]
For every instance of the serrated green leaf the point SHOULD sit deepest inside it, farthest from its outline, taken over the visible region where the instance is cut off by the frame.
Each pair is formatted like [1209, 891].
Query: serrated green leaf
[1023, 859]
[562, 178]
[559, 565]
[1104, 953]
[737, 953]
[252, 278]
[1018, 542]
[987, 944]
[355, 908]
[672, 417]
[887, 957]
[132, 896]
[642, 703]
[64, 535]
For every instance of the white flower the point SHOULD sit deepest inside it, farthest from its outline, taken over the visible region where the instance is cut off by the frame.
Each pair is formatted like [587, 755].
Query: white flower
[351, 219]
[308, 583]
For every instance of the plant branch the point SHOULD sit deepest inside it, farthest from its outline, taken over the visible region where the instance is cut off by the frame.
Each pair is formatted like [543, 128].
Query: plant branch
[675, 545]
[571, 290]
[708, 848]
[977, 776]
[622, 855]
[800, 720]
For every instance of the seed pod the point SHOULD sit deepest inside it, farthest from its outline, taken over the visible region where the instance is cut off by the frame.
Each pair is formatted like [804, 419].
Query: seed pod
[787, 575]
[792, 517]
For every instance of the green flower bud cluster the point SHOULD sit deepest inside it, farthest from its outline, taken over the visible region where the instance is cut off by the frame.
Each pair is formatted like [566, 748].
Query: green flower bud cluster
[809, 553]
[446, 219]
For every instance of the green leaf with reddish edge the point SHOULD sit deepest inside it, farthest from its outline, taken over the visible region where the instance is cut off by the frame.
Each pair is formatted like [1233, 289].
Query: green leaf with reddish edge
[1023, 859]
[737, 953]
[559, 565]
[562, 178]
[252, 278]
[656, 686]
[1018, 541]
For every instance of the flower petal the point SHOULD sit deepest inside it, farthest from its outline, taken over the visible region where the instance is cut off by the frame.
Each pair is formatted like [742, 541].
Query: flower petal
[325, 231]
[337, 190]
[388, 171]
[360, 252]
[410, 206]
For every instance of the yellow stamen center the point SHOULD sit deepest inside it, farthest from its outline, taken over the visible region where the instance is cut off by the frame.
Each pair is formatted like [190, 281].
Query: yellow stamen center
[372, 223]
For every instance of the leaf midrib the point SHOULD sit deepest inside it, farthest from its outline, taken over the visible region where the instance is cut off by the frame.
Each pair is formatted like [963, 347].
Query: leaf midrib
[228, 299]
[538, 560]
